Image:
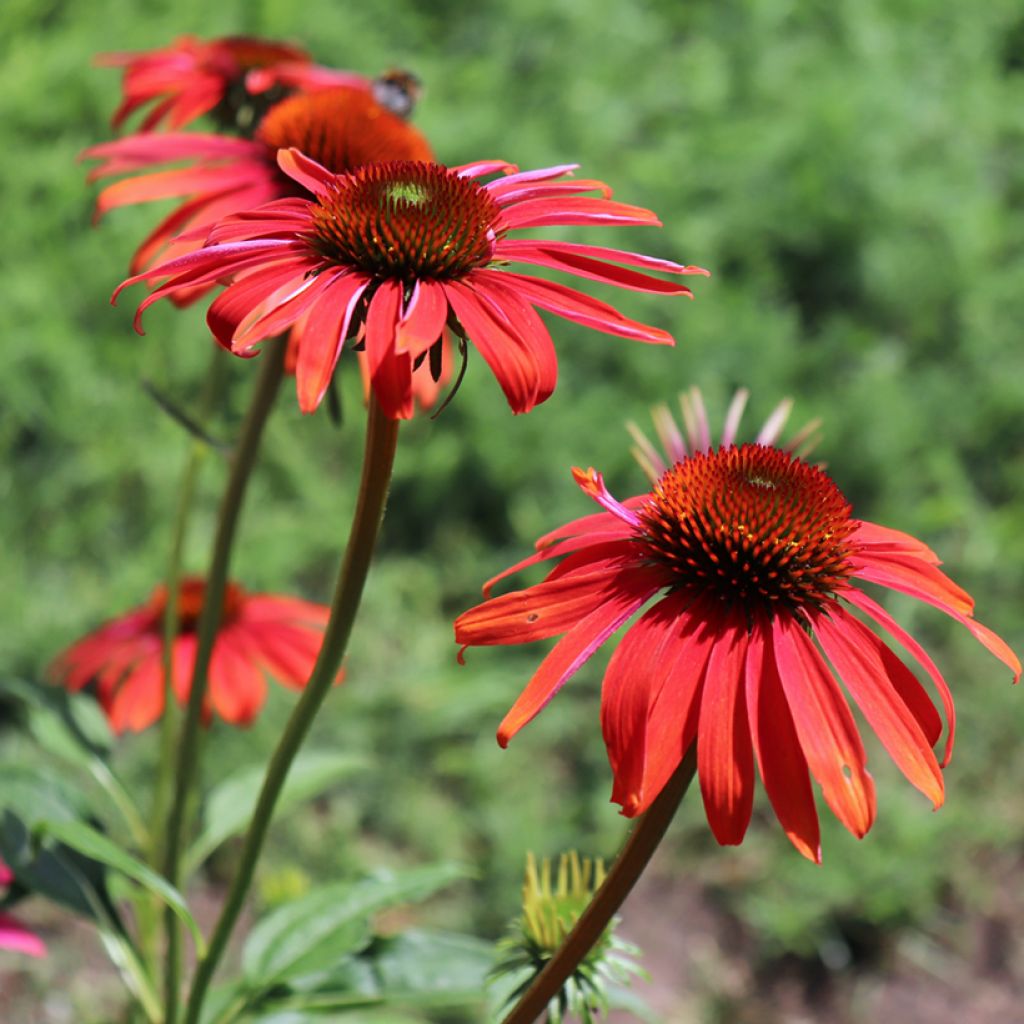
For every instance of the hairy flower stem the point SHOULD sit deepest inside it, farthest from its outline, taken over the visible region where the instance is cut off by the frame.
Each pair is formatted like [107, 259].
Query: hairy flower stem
[378, 459]
[186, 764]
[625, 873]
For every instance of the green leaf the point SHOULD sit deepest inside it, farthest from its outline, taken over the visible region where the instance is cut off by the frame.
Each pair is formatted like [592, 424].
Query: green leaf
[230, 805]
[94, 844]
[315, 932]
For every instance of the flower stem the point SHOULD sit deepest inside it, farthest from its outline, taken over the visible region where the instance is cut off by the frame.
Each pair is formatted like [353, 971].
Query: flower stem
[625, 873]
[378, 459]
[185, 768]
[169, 721]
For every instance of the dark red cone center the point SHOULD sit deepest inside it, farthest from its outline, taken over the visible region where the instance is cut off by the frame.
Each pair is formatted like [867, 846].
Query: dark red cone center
[191, 596]
[406, 220]
[754, 525]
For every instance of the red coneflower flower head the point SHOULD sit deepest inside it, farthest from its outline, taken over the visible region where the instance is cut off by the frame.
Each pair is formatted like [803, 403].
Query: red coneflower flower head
[259, 633]
[234, 78]
[756, 565]
[342, 128]
[401, 249]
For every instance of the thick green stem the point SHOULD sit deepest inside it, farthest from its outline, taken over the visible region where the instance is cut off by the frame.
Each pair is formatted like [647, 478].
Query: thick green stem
[186, 764]
[378, 458]
[626, 871]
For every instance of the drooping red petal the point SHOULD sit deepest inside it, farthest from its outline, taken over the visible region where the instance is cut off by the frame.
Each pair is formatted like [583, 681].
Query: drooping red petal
[914, 576]
[139, 700]
[563, 211]
[633, 587]
[827, 732]
[423, 318]
[237, 689]
[869, 668]
[548, 608]
[510, 361]
[584, 309]
[390, 370]
[673, 701]
[323, 335]
[725, 757]
[917, 700]
[782, 764]
[884, 540]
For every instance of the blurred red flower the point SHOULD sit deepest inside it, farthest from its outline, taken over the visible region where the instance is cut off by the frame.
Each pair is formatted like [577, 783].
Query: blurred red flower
[342, 128]
[191, 77]
[404, 248]
[258, 633]
[755, 563]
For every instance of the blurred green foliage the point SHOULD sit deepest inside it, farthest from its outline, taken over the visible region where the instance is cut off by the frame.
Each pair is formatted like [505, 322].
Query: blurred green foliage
[850, 172]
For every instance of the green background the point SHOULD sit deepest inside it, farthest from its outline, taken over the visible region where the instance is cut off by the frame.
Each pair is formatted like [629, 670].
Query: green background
[852, 175]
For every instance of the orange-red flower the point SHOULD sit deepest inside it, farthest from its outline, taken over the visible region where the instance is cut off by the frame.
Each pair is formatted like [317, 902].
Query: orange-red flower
[756, 569]
[259, 633]
[402, 249]
[13, 934]
[191, 77]
[342, 128]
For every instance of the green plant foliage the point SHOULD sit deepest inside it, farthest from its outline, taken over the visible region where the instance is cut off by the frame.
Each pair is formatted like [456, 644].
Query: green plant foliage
[853, 175]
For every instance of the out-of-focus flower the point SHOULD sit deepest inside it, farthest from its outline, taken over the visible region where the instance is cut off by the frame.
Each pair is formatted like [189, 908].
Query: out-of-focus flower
[13, 934]
[225, 77]
[757, 567]
[550, 911]
[413, 247]
[342, 128]
[259, 633]
[695, 433]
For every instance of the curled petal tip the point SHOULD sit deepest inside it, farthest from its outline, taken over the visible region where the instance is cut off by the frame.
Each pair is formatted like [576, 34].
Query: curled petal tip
[461, 657]
[696, 270]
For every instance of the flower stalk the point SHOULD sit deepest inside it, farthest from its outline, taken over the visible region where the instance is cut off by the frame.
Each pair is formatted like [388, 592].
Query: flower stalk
[242, 463]
[378, 460]
[625, 873]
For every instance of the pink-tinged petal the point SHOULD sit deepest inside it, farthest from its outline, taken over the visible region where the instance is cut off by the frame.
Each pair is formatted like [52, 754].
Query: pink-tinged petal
[307, 172]
[507, 193]
[915, 698]
[423, 318]
[390, 370]
[782, 764]
[6, 874]
[19, 939]
[733, 417]
[596, 522]
[513, 249]
[674, 703]
[280, 218]
[582, 266]
[591, 483]
[828, 734]
[633, 588]
[229, 311]
[613, 552]
[510, 361]
[769, 433]
[282, 309]
[517, 177]
[725, 756]
[583, 309]
[869, 669]
[237, 688]
[913, 576]
[484, 167]
[884, 540]
[137, 152]
[549, 608]
[563, 212]
[595, 539]
[323, 336]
